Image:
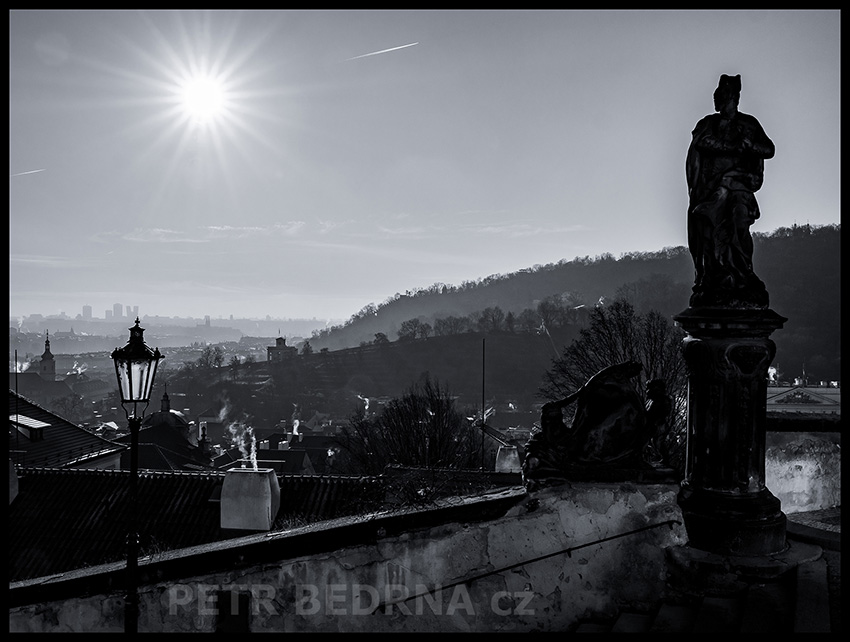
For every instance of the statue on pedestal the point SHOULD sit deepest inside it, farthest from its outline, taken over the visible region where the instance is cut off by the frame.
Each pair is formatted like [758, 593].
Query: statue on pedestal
[726, 505]
[724, 169]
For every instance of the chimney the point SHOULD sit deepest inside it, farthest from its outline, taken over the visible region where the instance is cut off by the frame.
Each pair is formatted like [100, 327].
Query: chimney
[507, 460]
[250, 499]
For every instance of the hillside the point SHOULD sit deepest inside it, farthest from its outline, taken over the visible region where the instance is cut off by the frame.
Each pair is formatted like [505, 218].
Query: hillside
[799, 265]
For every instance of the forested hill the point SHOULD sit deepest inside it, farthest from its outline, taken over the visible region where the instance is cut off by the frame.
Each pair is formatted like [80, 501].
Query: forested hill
[799, 265]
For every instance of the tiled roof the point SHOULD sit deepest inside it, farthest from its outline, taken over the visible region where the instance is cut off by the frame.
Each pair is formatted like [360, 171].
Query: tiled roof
[163, 444]
[157, 457]
[65, 519]
[312, 498]
[33, 385]
[54, 441]
[294, 460]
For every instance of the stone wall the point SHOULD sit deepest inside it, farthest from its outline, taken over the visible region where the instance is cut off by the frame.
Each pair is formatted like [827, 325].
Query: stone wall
[803, 470]
[460, 576]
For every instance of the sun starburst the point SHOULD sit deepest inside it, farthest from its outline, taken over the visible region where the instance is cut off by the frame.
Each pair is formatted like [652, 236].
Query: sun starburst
[204, 99]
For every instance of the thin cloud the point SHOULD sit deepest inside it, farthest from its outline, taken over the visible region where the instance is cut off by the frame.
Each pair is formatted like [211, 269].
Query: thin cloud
[234, 232]
[159, 235]
[524, 229]
[36, 260]
[408, 232]
[290, 228]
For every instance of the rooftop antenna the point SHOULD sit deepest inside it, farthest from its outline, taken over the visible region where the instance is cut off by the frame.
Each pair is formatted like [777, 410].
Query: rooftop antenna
[483, 358]
[551, 340]
[17, 419]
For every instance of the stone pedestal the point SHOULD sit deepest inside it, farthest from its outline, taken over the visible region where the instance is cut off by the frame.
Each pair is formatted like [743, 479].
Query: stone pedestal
[724, 501]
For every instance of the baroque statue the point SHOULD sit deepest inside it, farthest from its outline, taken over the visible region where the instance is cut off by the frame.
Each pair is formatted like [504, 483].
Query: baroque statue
[611, 427]
[724, 169]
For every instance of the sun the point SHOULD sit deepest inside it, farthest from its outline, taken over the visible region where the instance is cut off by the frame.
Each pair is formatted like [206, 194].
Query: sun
[203, 99]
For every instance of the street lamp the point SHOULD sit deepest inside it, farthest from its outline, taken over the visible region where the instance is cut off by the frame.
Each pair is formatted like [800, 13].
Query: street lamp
[135, 368]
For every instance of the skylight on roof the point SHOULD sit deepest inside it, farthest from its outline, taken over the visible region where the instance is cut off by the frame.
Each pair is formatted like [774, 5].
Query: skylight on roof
[29, 422]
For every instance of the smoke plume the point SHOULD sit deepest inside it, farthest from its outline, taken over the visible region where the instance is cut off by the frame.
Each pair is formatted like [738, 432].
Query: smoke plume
[242, 436]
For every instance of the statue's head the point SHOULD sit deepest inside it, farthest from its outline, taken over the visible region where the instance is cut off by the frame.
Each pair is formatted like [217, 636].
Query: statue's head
[728, 91]
[731, 84]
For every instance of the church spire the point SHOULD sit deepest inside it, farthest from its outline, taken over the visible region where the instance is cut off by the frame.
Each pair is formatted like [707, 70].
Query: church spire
[46, 354]
[47, 367]
[165, 405]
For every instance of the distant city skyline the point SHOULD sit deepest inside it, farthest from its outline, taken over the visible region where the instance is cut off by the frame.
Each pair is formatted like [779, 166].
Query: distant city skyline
[108, 314]
[308, 164]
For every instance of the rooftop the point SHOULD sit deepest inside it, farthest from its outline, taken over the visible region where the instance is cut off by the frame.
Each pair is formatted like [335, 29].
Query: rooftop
[66, 519]
[39, 437]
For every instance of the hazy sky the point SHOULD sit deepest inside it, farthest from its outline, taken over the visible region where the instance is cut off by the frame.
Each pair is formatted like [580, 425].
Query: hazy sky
[468, 143]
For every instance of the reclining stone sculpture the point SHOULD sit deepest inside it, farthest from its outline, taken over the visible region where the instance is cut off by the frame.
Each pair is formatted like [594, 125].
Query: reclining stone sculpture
[611, 427]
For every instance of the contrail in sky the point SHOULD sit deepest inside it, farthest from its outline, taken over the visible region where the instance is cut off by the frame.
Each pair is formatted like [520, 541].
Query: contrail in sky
[375, 53]
[32, 171]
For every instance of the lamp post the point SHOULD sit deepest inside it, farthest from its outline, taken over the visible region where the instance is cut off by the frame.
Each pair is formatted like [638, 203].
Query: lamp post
[135, 368]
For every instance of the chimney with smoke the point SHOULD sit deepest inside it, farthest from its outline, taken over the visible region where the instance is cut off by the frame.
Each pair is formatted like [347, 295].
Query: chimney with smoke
[507, 460]
[250, 499]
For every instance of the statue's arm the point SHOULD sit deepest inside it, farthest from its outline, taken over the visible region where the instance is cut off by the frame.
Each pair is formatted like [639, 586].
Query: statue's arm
[710, 143]
[755, 142]
[750, 140]
[705, 140]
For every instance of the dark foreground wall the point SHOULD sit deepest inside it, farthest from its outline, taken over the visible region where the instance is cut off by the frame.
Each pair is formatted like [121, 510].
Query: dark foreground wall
[469, 574]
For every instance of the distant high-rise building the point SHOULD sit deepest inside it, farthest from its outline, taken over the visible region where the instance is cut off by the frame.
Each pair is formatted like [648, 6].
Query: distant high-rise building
[207, 320]
[117, 310]
[107, 314]
[135, 314]
[87, 312]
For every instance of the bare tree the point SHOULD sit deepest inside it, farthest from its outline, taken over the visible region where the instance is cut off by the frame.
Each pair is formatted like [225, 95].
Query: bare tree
[451, 325]
[409, 329]
[492, 319]
[422, 428]
[529, 321]
[552, 312]
[424, 331]
[234, 364]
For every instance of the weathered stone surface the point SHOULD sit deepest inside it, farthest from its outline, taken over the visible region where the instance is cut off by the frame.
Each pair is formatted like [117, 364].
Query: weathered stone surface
[476, 576]
[724, 499]
[804, 470]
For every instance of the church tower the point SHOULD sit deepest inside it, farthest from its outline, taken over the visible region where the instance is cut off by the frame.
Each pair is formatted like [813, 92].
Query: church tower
[165, 404]
[47, 367]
